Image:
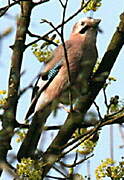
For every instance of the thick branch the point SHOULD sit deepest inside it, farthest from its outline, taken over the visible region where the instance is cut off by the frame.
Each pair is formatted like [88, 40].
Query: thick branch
[14, 80]
[74, 119]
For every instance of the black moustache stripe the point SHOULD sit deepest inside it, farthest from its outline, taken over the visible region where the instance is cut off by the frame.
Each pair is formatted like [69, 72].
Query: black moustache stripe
[84, 29]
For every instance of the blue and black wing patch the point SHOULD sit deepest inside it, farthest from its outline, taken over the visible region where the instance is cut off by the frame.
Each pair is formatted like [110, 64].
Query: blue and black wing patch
[52, 72]
[48, 77]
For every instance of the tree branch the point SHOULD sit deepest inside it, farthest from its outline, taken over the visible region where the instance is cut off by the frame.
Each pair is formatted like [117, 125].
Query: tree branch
[3, 10]
[76, 163]
[47, 39]
[74, 119]
[66, 56]
[9, 115]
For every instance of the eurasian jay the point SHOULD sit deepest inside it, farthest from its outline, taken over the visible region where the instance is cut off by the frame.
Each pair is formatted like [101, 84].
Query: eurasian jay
[53, 82]
[82, 56]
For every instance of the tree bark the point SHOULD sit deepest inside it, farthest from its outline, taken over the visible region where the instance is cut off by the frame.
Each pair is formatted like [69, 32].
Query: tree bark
[9, 116]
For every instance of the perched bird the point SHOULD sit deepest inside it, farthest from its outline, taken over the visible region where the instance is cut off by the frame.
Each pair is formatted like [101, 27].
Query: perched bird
[82, 56]
[53, 82]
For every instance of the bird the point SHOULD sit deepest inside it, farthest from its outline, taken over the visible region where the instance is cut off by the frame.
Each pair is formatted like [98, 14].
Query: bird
[82, 56]
[54, 81]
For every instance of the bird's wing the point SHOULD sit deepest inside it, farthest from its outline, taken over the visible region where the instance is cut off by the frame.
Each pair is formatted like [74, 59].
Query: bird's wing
[57, 57]
[46, 78]
[51, 70]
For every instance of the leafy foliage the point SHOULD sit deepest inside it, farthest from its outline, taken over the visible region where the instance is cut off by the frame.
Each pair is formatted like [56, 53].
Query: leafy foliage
[101, 170]
[92, 5]
[21, 135]
[43, 52]
[88, 145]
[107, 169]
[29, 168]
[2, 98]
[42, 55]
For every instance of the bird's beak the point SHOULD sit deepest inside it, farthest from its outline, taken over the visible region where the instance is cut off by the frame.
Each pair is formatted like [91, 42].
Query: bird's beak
[97, 21]
[96, 25]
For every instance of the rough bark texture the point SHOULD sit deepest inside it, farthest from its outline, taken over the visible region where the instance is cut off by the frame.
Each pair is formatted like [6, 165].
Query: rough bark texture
[8, 121]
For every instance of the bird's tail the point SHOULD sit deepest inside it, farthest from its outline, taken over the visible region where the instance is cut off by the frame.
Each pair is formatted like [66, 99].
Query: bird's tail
[29, 145]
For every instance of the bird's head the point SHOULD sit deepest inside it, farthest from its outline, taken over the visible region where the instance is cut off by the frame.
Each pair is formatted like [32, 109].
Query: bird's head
[86, 25]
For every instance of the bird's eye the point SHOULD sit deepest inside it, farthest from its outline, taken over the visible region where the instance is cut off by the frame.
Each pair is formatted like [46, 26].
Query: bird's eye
[82, 23]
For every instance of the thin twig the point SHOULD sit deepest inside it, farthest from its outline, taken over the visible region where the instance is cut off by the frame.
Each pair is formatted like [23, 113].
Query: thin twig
[8, 2]
[76, 157]
[61, 3]
[57, 27]
[51, 24]
[94, 130]
[63, 19]
[114, 120]
[47, 39]
[47, 128]
[59, 171]
[76, 139]
[21, 126]
[75, 164]
[66, 56]
[3, 10]
[115, 113]
[98, 110]
[105, 97]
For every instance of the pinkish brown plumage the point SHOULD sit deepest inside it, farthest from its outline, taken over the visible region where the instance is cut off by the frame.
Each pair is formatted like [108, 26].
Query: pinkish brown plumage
[82, 56]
